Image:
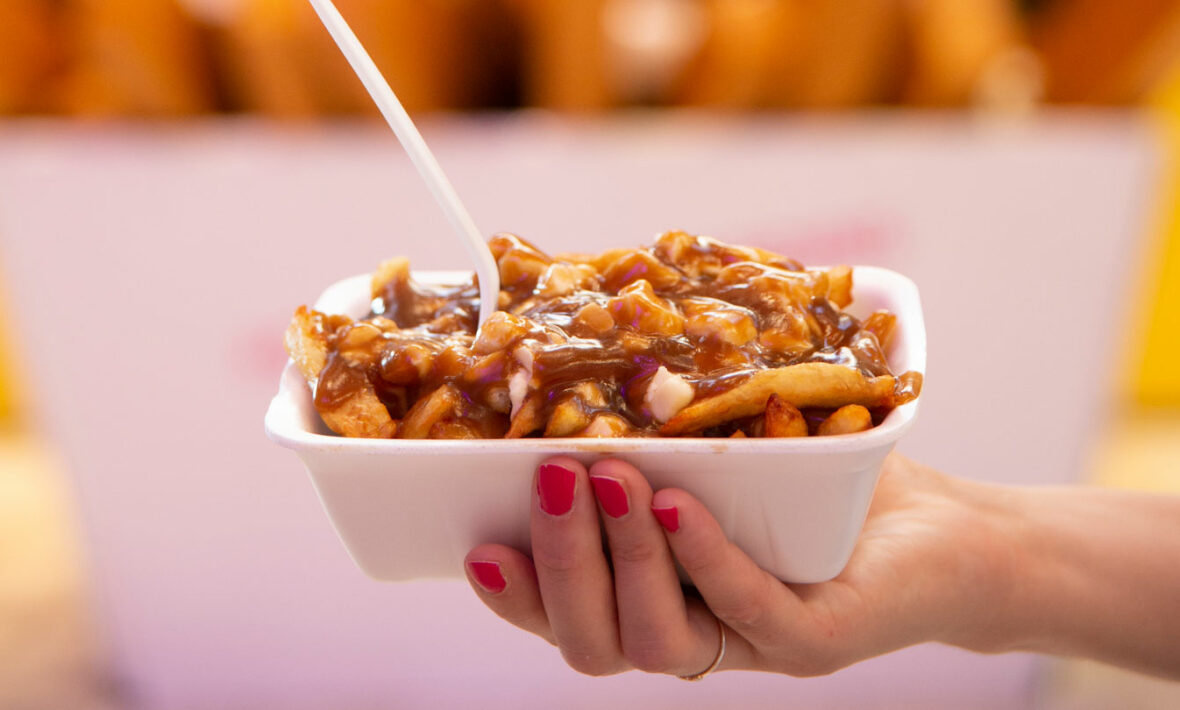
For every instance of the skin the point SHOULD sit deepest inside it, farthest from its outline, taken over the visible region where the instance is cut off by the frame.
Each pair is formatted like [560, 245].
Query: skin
[1065, 571]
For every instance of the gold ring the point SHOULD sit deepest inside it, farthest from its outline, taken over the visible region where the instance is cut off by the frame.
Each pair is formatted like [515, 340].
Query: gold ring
[716, 661]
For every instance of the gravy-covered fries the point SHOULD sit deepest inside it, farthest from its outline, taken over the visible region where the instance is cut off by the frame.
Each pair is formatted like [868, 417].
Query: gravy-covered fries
[688, 337]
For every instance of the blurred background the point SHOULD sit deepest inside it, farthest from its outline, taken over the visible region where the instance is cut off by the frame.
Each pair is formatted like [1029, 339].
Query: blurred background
[177, 175]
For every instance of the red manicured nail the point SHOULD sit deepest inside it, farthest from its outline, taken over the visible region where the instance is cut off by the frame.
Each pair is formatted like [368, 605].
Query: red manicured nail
[668, 517]
[610, 495]
[488, 576]
[555, 488]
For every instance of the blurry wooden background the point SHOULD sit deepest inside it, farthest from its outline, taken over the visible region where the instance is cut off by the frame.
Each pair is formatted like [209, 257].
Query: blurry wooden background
[182, 57]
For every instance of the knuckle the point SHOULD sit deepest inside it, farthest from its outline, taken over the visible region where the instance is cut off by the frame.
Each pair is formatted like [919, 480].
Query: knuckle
[748, 611]
[699, 563]
[649, 655]
[560, 559]
[746, 616]
[634, 552]
[591, 664]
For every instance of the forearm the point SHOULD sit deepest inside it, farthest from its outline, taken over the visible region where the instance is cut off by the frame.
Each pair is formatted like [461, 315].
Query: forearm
[1092, 573]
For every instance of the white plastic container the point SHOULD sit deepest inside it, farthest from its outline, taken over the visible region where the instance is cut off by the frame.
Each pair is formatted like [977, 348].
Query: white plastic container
[412, 509]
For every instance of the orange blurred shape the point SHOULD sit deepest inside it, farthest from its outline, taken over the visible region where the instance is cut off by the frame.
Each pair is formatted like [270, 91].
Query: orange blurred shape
[854, 54]
[565, 54]
[281, 61]
[1103, 51]
[752, 51]
[826, 54]
[30, 52]
[135, 57]
[954, 43]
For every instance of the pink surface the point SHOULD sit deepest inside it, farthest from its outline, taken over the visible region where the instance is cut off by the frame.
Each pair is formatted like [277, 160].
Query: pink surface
[153, 271]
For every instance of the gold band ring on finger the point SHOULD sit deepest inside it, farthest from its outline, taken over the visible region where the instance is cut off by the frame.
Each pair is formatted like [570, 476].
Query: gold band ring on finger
[716, 661]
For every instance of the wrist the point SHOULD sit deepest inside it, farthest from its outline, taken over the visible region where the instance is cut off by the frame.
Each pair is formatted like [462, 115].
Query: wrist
[989, 603]
[1065, 571]
[1046, 572]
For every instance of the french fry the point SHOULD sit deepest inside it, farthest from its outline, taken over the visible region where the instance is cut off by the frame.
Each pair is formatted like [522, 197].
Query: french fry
[811, 384]
[361, 415]
[499, 332]
[429, 411]
[390, 272]
[882, 325]
[706, 322]
[782, 419]
[909, 386]
[489, 368]
[522, 265]
[638, 306]
[569, 416]
[848, 419]
[306, 345]
[562, 279]
[567, 419]
[453, 429]
[606, 426]
[840, 285]
[408, 365]
[629, 268]
[594, 318]
[602, 262]
[527, 419]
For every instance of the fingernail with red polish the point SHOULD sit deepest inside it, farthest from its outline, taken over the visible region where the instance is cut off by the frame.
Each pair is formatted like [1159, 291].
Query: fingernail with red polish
[668, 517]
[555, 488]
[611, 496]
[488, 576]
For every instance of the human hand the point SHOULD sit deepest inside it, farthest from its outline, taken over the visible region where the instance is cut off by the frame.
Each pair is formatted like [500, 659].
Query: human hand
[927, 566]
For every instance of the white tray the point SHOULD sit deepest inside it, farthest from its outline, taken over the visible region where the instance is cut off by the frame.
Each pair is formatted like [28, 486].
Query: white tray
[412, 509]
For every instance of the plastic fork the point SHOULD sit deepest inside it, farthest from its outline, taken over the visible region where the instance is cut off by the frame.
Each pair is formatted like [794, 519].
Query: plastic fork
[406, 132]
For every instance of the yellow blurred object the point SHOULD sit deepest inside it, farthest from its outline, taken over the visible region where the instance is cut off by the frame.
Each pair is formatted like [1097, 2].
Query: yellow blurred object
[30, 52]
[9, 395]
[135, 57]
[1158, 375]
[1138, 450]
[51, 655]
